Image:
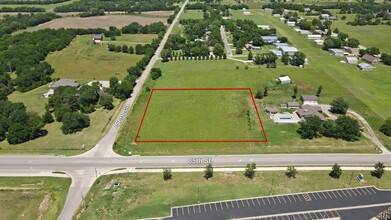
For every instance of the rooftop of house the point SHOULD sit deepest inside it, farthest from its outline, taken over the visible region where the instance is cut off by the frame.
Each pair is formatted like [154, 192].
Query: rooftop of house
[293, 104]
[288, 49]
[97, 36]
[368, 57]
[336, 50]
[310, 111]
[271, 110]
[351, 59]
[64, 82]
[309, 98]
[284, 78]
[365, 66]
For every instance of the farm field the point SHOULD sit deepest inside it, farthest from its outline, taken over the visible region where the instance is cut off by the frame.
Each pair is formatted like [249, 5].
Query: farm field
[138, 198]
[98, 22]
[201, 115]
[85, 61]
[55, 142]
[48, 7]
[223, 74]
[32, 197]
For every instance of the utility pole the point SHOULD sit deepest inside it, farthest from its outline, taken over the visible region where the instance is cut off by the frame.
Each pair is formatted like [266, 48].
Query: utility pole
[96, 173]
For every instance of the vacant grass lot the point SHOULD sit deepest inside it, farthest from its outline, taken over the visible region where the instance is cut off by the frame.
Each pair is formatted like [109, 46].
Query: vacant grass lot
[138, 198]
[55, 142]
[201, 115]
[83, 60]
[32, 197]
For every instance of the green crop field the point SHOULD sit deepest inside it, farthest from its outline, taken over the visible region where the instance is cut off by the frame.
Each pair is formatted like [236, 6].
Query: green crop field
[201, 115]
[55, 142]
[48, 7]
[32, 197]
[85, 61]
[148, 195]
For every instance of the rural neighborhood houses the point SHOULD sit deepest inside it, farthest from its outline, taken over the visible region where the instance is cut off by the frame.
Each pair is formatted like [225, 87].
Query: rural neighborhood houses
[284, 80]
[351, 60]
[269, 39]
[336, 52]
[289, 50]
[309, 99]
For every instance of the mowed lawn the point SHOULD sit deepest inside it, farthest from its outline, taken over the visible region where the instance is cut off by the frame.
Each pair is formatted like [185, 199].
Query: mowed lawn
[32, 197]
[147, 195]
[369, 35]
[223, 74]
[201, 115]
[55, 142]
[83, 60]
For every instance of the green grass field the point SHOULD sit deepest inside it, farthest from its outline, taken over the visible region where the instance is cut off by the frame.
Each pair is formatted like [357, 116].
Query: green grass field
[148, 195]
[48, 7]
[369, 35]
[85, 61]
[55, 142]
[367, 93]
[32, 197]
[201, 115]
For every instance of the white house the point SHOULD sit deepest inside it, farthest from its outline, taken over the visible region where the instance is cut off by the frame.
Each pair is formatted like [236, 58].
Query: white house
[246, 13]
[336, 52]
[97, 38]
[289, 50]
[365, 66]
[269, 39]
[264, 27]
[304, 31]
[319, 42]
[307, 9]
[325, 16]
[309, 99]
[277, 52]
[280, 44]
[284, 80]
[276, 15]
[314, 36]
[351, 60]
[291, 23]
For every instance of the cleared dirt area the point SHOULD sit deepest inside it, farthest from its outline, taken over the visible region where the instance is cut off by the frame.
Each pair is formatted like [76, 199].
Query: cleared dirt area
[98, 21]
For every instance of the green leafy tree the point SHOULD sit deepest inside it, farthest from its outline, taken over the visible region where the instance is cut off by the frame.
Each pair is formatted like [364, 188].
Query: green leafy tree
[106, 100]
[218, 49]
[125, 48]
[298, 59]
[386, 127]
[131, 50]
[353, 42]
[310, 128]
[156, 73]
[166, 54]
[208, 173]
[285, 58]
[320, 88]
[250, 170]
[47, 118]
[336, 30]
[379, 170]
[336, 171]
[295, 90]
[259, 95]
[347, 128]
[258, 59]
[74, 122]
[291, 172]
[167, 174]
[339, 106]
[266, 91]
[250, 56]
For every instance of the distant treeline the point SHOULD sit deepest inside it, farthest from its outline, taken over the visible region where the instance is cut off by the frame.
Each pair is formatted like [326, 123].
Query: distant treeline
[11, 23]
[31, 2]
[22, 9]
[130, 6]
[199, 6]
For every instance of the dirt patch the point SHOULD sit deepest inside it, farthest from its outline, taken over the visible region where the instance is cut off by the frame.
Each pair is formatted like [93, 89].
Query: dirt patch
[99, 21]
[158, 13]
[43, 207]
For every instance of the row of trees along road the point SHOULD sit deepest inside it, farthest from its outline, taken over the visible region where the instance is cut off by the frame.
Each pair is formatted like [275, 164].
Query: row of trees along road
[291, 171]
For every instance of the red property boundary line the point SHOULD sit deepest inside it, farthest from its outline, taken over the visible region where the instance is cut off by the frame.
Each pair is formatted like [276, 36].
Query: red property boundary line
[195, 141]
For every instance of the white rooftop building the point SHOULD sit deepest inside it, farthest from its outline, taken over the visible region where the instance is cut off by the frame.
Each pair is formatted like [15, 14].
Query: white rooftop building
[284, 80]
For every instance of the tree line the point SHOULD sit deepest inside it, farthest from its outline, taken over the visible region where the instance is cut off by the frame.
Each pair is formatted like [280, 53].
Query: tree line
[11, 23]
[131, 6]
[31, 2]
[22, 9]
